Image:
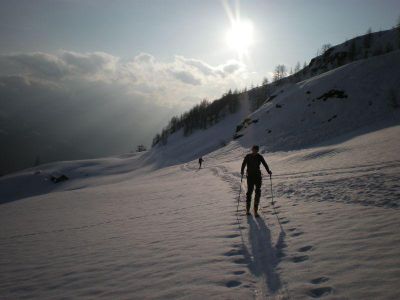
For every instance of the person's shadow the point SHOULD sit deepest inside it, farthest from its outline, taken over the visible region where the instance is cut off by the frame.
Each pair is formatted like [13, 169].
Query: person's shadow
[263, 257]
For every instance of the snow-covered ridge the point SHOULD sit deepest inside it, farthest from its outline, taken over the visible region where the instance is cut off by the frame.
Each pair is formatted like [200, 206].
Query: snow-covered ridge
[361, 47]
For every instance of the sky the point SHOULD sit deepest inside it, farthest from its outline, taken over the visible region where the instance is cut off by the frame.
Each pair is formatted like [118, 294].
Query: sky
[161, 57]
[285, 31]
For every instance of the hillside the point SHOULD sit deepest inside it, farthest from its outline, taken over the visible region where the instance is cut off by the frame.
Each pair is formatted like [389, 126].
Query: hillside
[302, 114]
[361, 47]
[328, 105]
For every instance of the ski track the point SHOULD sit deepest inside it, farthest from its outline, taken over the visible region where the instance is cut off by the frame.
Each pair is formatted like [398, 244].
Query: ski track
[330, 233]
[260, 255]
[262, 252]
[82, 261]
[336, 184]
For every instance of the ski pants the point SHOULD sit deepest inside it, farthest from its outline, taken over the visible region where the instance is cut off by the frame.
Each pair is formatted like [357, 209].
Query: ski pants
[253, 180]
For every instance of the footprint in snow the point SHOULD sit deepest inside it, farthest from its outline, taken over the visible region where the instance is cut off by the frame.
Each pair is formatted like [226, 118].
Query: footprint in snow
[319, 292]
[296, 234]
[231, 236]
[232, 283]
[319, 280]
[305, 248]
[233, 252]
[239, 272]
[298, 259]
[240, 261]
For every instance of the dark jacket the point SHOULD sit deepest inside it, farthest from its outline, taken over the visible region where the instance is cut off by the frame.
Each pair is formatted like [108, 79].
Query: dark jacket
[253, 161]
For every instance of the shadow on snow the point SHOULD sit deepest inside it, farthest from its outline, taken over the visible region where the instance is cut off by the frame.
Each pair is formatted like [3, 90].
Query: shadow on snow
[264, 257]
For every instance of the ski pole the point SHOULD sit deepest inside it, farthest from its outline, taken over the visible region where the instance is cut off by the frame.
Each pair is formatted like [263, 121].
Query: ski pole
[272, 194]
[240, 191]
[273, 205]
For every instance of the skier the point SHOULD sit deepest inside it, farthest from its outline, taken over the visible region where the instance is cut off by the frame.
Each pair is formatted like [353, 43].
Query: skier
[200, 162]
[253, 161]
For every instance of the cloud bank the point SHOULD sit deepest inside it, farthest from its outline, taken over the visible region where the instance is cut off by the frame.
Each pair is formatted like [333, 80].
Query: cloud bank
[177, 79]
[98, 103]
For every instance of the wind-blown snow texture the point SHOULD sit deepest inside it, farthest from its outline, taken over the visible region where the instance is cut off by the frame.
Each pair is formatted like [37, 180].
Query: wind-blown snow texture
[124, 228]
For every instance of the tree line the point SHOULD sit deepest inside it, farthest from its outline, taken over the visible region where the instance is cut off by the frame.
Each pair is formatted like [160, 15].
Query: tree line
[201, 116]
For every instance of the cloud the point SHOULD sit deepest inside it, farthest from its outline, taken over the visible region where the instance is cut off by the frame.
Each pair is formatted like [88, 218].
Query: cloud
[232, 67]
[89, 62]
[144, 58]
[204, 68]
[144, 73]
[100, 103]
[185, 77]
[220, 71]
[13, 82]
[36, 64]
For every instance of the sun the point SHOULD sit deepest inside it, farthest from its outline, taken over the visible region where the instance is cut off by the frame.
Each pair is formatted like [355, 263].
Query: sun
[240, 36]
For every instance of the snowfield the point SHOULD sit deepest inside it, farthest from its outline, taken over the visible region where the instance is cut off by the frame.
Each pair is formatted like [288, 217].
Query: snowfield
[154, 226]
[174, 233]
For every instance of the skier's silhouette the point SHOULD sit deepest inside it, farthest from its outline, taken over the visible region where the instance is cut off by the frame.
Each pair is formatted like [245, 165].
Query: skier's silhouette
[200, 162]
[253, 161]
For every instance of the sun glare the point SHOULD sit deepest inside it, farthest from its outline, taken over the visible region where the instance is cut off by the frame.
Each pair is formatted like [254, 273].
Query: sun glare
[240, 36]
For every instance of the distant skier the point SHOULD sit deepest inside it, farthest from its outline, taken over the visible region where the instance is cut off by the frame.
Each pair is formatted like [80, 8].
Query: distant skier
[253, 161]
[200, 162]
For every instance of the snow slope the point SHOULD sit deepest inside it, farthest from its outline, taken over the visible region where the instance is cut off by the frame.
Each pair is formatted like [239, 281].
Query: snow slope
[173, 233]
[305, 118]
[182, 149]
[296, 118]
